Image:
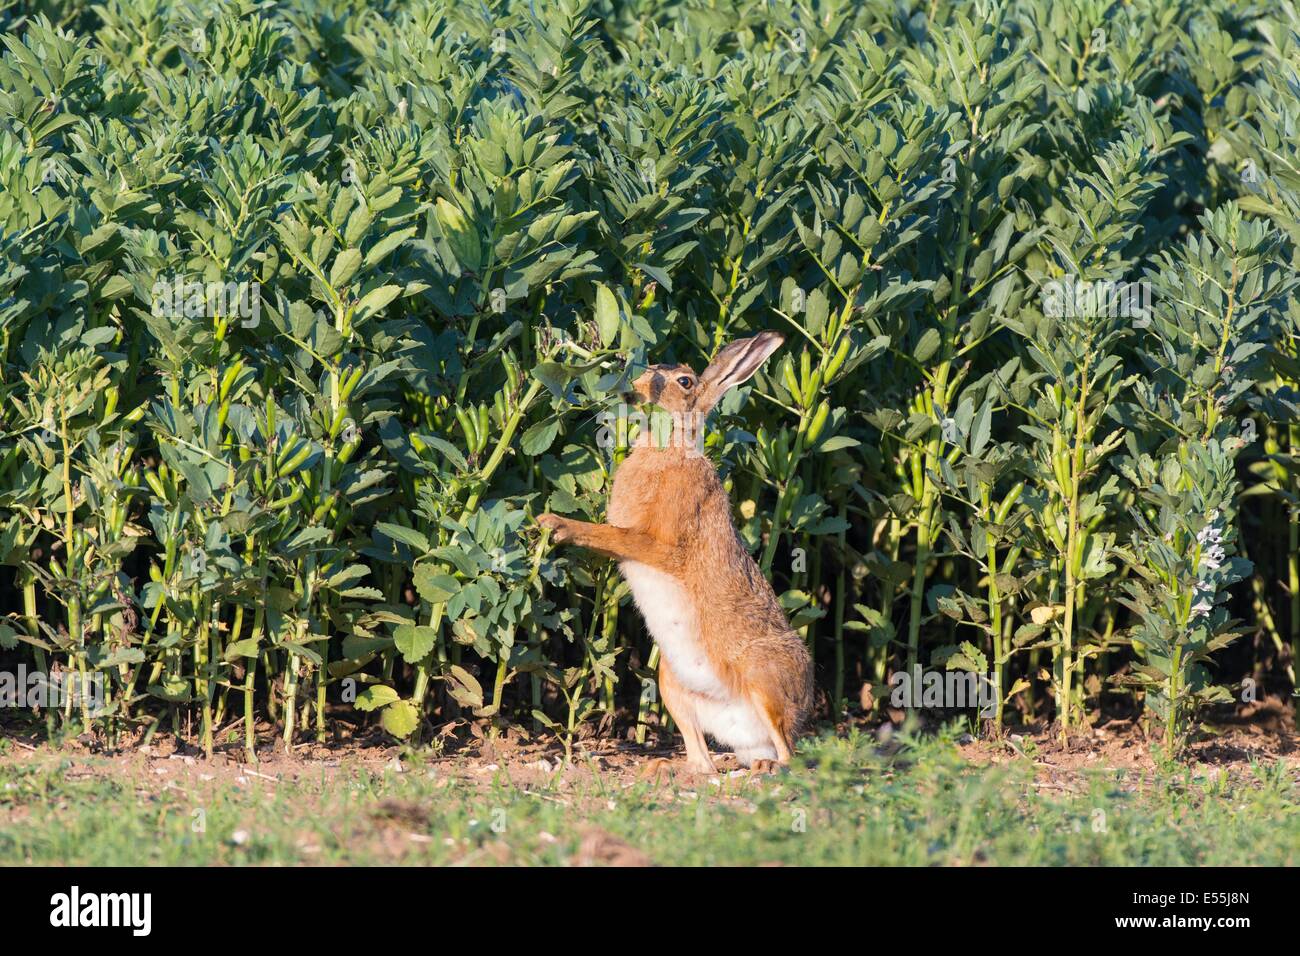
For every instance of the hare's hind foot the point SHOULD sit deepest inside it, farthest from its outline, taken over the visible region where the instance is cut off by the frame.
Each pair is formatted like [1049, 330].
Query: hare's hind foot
[655, 769]
[658, 768]
[752, 756]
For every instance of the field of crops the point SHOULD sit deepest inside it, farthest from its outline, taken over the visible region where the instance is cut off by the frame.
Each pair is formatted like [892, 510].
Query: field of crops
[309, 308]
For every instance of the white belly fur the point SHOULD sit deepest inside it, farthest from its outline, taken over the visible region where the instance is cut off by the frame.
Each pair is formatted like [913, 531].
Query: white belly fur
[735, 724]
[670, 618]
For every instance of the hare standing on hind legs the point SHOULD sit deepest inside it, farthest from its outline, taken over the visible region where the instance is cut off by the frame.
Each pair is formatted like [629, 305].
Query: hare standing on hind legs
[730, 666]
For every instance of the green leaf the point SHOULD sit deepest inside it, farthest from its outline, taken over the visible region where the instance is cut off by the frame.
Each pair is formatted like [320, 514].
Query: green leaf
[123, 655]
[554, 376]
[400, 719]
[345, 267]
[384, 246]
[248, 647]
[376, 696]
[927, 345]
[415, 641]
[376, 300]
[982, 428]
[408, 536]
[968, 657]
[460, 235]
[607, 314]
[539, 437]
[836, 442]
[175, 690]
[433, 584]
[116, 287]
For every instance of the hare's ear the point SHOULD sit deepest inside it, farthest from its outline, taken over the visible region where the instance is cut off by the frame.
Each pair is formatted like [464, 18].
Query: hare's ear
[736, 363]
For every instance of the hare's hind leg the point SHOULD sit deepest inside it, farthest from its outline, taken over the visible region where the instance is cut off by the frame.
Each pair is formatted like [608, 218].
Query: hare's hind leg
[770, 713]
[682, 710]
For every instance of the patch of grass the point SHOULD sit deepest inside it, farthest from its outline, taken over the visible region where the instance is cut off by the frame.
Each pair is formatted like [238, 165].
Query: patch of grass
[845, 803]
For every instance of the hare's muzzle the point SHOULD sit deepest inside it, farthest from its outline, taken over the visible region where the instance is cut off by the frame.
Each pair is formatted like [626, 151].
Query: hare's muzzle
[647, 387]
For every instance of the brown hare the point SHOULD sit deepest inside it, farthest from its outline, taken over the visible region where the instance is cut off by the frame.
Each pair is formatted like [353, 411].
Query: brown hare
[730, 665]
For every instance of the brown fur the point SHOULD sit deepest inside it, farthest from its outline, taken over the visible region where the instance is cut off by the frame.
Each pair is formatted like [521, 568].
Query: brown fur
[668, 510]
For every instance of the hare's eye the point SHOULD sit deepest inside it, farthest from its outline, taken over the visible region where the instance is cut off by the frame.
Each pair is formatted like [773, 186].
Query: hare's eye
[684, 382]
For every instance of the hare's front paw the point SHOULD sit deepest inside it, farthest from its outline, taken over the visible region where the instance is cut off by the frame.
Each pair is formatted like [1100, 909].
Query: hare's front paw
[560, 531]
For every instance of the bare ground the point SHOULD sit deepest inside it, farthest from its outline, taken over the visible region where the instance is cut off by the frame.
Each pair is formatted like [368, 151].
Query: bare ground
[1259, 732]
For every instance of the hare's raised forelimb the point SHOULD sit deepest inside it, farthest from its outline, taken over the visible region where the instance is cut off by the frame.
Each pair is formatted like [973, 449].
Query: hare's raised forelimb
[622, 544]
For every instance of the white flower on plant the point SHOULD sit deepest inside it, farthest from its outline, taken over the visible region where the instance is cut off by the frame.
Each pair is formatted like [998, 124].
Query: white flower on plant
[1211, 533]
[1203, 594]
[1209, 539]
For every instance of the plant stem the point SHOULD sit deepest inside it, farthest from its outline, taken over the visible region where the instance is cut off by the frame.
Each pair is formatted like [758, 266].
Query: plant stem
[841, 586]
[648, 688]
[995, 616]
[1293, 577]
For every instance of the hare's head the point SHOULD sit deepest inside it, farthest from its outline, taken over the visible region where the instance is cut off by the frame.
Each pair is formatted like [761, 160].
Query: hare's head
[677, 389]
